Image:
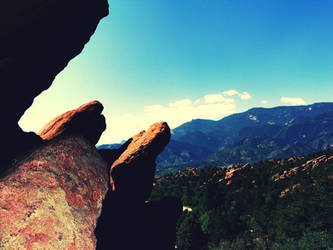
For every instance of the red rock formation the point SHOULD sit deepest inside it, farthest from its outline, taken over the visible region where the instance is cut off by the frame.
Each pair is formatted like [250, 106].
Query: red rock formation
[305, 167]
[85, 120]
[133, 172]
[52, 198]
[38, 39]
[135, 223]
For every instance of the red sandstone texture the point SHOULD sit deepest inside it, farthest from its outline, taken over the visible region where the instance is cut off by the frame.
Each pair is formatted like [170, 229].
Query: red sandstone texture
[53, 197]
[133, 172]
[86, 120]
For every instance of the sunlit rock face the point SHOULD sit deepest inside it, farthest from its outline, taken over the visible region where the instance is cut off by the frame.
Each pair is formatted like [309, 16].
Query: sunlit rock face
[38, 39]
[52, 198]
[133, 172]
[86, 120]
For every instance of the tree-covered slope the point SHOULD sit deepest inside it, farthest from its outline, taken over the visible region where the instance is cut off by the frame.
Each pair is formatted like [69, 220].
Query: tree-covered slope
[303, 135]
[276, 204]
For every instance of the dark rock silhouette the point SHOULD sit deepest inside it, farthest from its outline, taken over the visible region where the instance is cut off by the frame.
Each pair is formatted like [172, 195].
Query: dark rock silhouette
[135, 223]
[52, 198]
[85, 120]
[125, 224]
[16, 144]
[162, 221]
[38, 39]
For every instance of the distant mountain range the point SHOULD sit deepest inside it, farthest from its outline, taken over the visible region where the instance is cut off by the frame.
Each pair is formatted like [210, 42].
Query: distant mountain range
[255, 135]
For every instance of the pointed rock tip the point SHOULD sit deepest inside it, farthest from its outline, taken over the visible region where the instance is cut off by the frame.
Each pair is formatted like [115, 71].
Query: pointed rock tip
[92, 105]
[133, 172]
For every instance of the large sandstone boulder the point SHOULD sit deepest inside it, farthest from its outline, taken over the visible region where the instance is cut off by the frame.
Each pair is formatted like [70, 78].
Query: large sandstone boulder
[133, 172]
[127, 220]
[38, 39]
[52, 198]
[86, 120]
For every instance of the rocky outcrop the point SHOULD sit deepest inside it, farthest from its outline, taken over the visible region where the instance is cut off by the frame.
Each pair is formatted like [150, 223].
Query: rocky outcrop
[133, 172]
[38, 39]
[52, 198]
[137, 224]
[52, 185]
[86, 120]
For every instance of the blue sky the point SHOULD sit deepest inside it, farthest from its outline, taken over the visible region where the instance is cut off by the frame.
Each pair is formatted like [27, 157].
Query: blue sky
[178, 60]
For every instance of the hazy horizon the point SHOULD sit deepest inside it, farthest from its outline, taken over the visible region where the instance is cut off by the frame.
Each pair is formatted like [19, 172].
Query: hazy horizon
[181, 60]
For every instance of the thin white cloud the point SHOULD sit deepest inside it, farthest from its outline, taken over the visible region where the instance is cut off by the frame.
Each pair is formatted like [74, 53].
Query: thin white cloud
[211, 106]
[197, 101]
[230, 92]
[264, 102]
[292, 101]
[175, 115]
[124, 126]
[180, 103]
[245, 96]
[217, 98]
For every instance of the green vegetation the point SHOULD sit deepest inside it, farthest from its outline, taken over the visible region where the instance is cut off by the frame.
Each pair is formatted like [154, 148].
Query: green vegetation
[282, 204]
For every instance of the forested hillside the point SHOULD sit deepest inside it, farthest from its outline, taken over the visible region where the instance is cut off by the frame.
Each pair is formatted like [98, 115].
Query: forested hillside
[276, 204]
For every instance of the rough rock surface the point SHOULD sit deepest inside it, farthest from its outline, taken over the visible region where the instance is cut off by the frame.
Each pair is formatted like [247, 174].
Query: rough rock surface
[52, 198]
[38, 39]
[86, 120]
[135, 223]
[133, 172]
